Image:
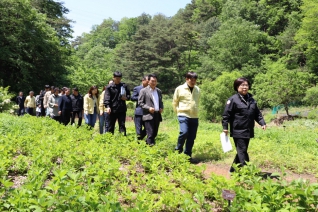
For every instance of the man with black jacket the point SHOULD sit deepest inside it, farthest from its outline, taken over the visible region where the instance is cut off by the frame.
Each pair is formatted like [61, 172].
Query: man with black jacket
[65, 107]
[115, 98]
[77, 106]
[20, 101]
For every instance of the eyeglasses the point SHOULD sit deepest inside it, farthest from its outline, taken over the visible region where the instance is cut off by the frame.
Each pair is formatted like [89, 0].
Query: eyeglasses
[244, 85]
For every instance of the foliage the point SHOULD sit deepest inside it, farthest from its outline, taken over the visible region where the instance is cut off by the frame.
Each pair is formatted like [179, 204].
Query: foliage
[280, 86]
[69, 168]
[215, 93]
[5, 99]
[311, 96]
[31, 53]
[307, 34]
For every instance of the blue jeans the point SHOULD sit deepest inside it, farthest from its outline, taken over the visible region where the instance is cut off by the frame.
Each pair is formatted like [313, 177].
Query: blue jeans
[103, 123]
[90, 119]
[188, 133]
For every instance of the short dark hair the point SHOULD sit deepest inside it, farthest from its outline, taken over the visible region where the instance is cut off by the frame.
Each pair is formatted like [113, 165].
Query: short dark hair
[239, 81]
[152, 75]
[144, 78]
[117, 74]
[75, 89]
[56, 89]
[191, 75]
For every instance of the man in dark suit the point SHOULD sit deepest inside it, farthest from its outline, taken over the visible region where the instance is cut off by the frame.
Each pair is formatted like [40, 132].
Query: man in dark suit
[139, 123]
[65, 107]
[150, 100]
[20, 101]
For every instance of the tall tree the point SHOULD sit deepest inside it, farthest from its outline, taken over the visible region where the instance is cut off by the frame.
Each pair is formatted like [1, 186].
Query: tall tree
[280, 86]
[31, 54]
[307, 36]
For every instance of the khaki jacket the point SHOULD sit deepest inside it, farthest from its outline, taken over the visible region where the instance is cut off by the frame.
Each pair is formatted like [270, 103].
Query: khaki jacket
[186, 103]
[101, 102]
[89, 105]
[30, 102]
[46, 99]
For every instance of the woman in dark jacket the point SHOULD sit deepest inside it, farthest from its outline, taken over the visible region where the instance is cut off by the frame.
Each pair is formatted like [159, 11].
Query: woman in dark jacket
[241, 112]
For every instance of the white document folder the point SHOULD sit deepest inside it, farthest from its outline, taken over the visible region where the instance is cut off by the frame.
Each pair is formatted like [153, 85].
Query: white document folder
[226, 143]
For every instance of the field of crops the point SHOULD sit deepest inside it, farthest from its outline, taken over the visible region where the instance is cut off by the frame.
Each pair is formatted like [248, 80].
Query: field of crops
[45, 166]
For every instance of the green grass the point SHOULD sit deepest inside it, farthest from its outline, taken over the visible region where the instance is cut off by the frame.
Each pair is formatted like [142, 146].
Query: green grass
[70, 169]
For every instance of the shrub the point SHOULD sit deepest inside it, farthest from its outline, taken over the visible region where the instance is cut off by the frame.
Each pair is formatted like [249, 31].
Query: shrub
[5, 102]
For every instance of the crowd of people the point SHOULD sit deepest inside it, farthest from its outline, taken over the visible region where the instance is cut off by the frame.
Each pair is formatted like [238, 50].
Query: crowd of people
[109, 107]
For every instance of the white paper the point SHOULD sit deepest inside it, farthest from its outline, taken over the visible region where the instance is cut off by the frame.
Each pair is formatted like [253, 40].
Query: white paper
[226, 143]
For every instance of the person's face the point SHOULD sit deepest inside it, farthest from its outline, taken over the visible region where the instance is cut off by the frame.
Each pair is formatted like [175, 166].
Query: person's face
[152, 82]
[67, 92]
[191, 82]
[117, 80]
[94, 92]
[31, 94]
[75, 93]
[56, 92]
[243, 88]
[20, 94]
[145, 82]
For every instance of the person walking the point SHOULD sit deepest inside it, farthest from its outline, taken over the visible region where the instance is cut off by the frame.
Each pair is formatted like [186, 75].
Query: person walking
[65, 107]
[139, 123]
[53, 108]
[185, 103]
[91, 106]
[240, 113]
[77, 106]
[20, 102]
[46, 100]
[42, 95]
[38, 104]
[103, 116]
[29, 103]
[115, 98]
[150, 100]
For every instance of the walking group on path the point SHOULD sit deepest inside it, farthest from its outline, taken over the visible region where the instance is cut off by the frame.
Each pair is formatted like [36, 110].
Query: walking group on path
[240, 111]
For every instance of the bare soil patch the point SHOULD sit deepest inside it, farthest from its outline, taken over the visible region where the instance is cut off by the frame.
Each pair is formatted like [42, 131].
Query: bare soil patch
[223, 170]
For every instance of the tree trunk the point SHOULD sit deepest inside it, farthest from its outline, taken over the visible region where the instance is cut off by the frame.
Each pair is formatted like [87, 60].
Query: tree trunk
[286, 109]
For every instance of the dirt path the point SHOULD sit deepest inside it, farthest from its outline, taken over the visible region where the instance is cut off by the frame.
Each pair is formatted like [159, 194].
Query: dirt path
[223, 169]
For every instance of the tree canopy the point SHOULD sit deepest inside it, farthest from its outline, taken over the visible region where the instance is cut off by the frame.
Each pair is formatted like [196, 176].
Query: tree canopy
[255, 38]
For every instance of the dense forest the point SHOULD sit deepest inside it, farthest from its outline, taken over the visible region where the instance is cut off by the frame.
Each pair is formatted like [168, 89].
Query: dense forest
[273, 43]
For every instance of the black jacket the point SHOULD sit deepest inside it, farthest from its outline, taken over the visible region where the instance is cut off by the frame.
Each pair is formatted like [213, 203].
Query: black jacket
[112, 98]
[65, 103]
[241, 114]
[77, 102]
[20, 101]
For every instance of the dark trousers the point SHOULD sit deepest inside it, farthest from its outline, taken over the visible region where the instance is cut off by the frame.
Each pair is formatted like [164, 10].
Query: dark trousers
[43, 113]
[140, 127]
[241, 157]
[65, 117]
[152, 127]
[21, 111]
[56, 118]
[29, 110]
[104, 123]
[187, 134]
[79, 115]
[121, 117]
